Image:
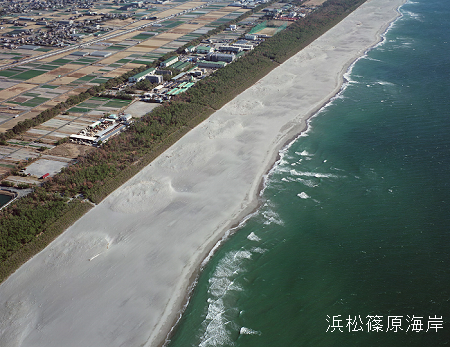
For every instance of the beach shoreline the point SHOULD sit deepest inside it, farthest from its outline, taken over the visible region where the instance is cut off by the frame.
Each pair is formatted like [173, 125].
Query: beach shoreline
[295, 132]
[215, 173]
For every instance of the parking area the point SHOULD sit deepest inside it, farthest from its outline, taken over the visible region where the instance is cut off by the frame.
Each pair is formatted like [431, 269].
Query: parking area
[44, 166]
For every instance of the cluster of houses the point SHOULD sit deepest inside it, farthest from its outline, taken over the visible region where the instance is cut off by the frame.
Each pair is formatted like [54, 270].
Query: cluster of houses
[56, 33]
[9, 7]
[248, 3]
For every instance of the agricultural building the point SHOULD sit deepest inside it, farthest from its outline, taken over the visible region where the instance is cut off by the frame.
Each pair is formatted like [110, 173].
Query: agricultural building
[126, 118]
[179, 76]
[163, 72]
[235, 49]
[244, 47]
[251, 37]
[181, 65]
[80, 53]
[169, 61]
[101, 54]
[211, 64]
[155, 78]
[204, 49]
[227, 58]
[141, 75]
[29, 47]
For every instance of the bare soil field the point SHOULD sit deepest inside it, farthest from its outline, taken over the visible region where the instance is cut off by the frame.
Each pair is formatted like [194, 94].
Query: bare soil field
[313, 2]
[9, 124]
[185, 28]
[63, 80]
[131, 66]
[85, 71]
[20, 99]
[54, 57]
[117, 72]
[16, 90]
[123, 37]
[64, 69]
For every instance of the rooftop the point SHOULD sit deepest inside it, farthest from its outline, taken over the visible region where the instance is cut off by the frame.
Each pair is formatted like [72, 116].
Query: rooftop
[144, 73]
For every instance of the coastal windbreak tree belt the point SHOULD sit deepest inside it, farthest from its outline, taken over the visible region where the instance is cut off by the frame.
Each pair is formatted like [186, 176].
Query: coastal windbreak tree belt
[29, 224]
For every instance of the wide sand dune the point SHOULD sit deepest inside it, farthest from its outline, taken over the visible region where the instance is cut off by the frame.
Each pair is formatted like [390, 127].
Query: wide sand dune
[118, 276]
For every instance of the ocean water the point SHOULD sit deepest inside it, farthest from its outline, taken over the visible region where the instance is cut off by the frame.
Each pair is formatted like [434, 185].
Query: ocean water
[351, 246]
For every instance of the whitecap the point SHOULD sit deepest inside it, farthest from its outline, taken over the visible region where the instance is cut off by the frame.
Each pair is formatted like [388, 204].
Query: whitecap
[312, 174]
[253, 237]
[248, 331]
[258, 250]
[272, 217]
[308, 183]
[383, 83]
[303, 195]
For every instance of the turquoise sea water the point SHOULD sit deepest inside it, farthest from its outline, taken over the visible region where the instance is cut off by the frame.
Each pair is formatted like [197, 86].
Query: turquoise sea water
[355, 218]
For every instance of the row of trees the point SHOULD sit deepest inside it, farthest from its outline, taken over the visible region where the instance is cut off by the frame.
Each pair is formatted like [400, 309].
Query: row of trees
[103, 170]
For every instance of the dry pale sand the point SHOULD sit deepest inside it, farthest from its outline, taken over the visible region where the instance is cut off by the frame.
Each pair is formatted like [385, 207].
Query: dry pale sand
[119, 275]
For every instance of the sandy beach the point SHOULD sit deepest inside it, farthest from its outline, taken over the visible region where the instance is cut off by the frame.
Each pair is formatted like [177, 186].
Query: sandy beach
[119, 275]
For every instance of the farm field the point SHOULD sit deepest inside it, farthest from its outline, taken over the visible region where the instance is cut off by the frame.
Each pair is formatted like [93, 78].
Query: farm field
[127, 51]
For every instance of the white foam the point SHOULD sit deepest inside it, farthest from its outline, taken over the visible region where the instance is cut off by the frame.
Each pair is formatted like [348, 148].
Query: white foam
[303, 195]
[413, 15]
[215, 324]
[370, 58]
[253, 237]
[308, 183]
[228, 233]
[258, 250]
[248, 331]
[218, 324]
[383, 83]
[312, 174]
[271, 217]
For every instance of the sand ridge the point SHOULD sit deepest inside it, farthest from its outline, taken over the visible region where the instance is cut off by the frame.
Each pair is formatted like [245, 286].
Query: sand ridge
[119, 275]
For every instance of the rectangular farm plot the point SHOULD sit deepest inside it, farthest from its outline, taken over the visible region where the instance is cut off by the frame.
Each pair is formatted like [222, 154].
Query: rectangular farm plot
[35, 102]
[26, 75]
[170, 24]
[61, 61]
[9, 73]
[117, 103]
[15, 90]
[79, 110]
[142, 36]
[48, 67]
[99, 80]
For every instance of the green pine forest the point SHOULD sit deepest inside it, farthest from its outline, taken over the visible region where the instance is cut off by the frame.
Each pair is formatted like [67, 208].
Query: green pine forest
[30, 223]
